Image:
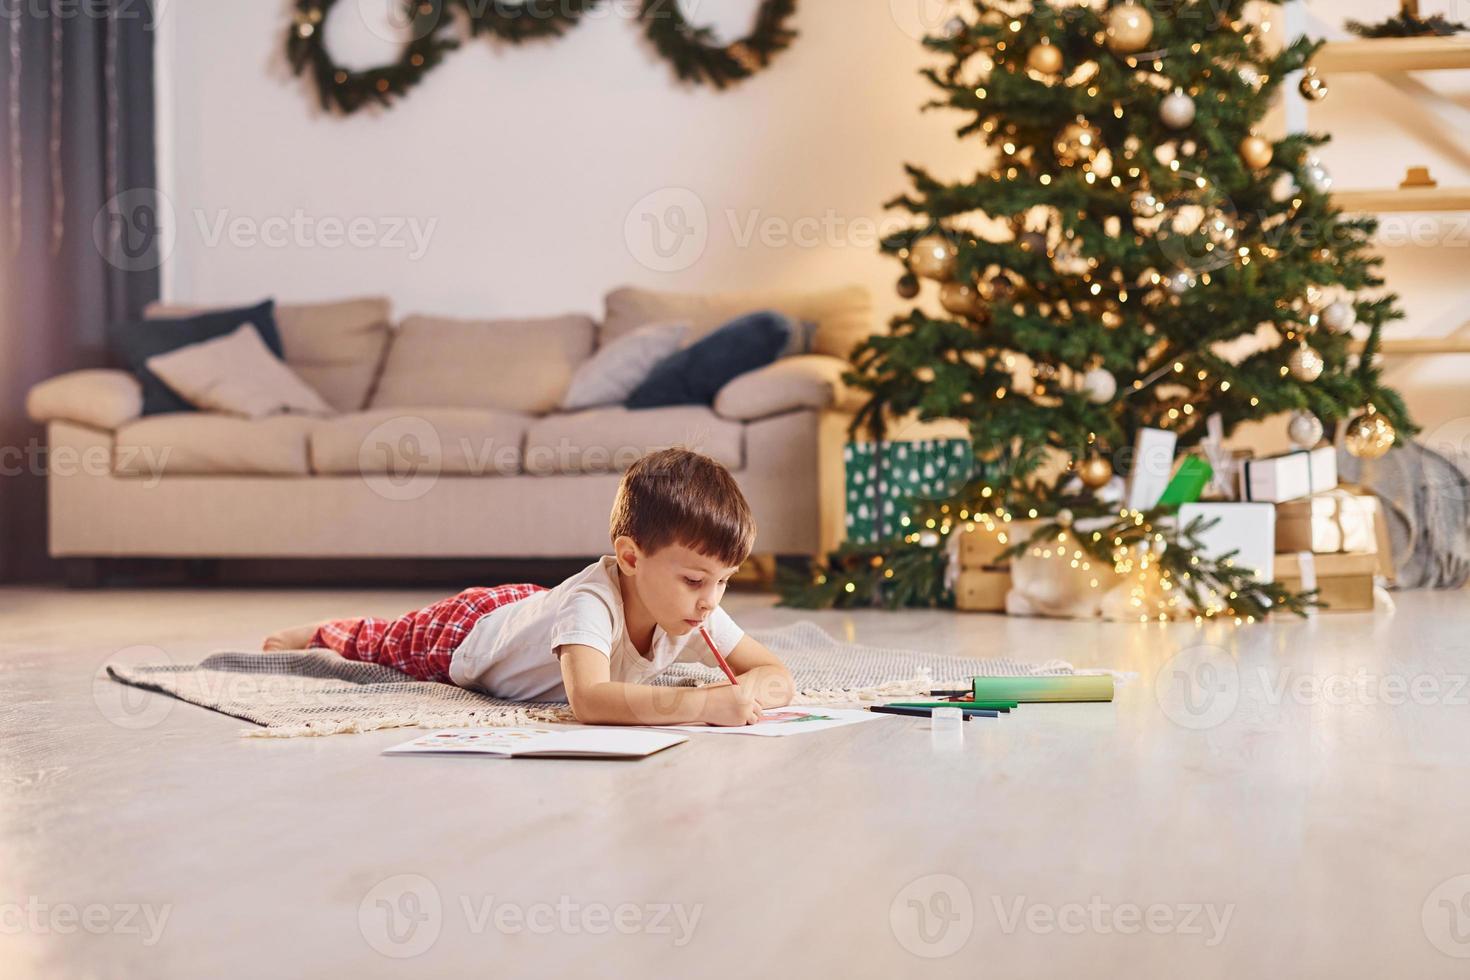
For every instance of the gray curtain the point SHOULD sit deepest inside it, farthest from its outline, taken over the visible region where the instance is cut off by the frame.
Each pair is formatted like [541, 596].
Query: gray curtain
[76, 132]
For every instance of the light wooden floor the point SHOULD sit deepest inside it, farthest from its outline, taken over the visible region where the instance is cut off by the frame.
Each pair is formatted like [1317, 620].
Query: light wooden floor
[1287, 800]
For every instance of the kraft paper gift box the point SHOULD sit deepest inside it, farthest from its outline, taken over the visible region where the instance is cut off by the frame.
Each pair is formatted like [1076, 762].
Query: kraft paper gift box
[982, 548]
[1327, 523]
[1344, 582]
[1277, 479]
[982, 590]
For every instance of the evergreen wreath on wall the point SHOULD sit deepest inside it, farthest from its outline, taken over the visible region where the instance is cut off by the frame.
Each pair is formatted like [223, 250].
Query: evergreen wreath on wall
[346, 90]
[692, 50]
[697, 57]
[521, 21]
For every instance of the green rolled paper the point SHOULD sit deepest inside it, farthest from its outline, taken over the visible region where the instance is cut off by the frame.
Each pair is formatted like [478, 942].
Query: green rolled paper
[1071, 687]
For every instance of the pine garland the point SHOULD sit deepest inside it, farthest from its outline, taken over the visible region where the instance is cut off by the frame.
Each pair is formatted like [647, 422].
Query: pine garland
[1408, 24]
[696, 56]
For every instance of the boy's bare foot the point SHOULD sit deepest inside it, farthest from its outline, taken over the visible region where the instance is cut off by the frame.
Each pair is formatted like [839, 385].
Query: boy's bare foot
[295, 638]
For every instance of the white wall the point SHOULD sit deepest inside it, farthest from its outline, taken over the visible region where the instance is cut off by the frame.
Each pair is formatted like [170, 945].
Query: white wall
[529, 159]
[528, 162]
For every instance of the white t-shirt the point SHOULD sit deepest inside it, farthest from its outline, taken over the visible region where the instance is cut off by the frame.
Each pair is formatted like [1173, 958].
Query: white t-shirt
[512, 651]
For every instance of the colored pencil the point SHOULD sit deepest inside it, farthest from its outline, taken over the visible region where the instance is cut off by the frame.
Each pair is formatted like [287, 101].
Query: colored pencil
[887, 709]
[719, 659]
[987, 705]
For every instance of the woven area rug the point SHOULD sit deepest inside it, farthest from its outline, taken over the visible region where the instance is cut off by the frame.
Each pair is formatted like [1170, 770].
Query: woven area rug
[315, 692]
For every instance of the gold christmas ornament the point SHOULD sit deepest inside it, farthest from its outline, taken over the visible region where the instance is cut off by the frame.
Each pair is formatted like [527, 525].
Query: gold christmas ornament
[1095, 472]
[1130, 28]
[1045, 58]
[1305, 364]
[933, 257]
[1370, 435]
[908, 285]
[959, 298]
[1312, 87]
[1256, 152]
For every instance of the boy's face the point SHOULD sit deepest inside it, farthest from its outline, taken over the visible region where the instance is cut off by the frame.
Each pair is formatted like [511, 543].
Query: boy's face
[679, 586]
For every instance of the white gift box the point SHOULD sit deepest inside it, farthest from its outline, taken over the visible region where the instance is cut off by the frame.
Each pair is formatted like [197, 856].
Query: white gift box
[1152, 466]
[1249, 529]
[1277, 479]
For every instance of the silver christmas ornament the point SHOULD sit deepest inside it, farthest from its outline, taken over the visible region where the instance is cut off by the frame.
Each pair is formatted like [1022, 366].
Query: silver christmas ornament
[1100, 386]
[1177, 110]
[1304, 429]
[1338, 317]
[1305, 364]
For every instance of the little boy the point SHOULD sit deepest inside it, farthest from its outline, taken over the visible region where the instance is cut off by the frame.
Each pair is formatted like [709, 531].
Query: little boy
[680, 528]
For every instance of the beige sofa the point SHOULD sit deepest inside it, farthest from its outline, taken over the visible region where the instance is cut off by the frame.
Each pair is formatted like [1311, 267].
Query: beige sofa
[448, 442]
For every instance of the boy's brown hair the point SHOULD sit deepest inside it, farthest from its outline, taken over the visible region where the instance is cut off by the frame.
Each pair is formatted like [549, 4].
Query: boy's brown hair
[675, 496]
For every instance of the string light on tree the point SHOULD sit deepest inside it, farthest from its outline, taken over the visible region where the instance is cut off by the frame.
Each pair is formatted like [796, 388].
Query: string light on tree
[1312, 86]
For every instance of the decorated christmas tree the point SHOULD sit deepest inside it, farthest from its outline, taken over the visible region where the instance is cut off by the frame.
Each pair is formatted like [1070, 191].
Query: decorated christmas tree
[1138, 255]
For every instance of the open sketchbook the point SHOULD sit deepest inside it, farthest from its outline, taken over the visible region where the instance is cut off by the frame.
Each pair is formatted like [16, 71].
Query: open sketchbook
[780, 722]
[541, 743]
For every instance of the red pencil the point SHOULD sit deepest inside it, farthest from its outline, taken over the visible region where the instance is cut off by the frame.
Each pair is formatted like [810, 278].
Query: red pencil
[721, 660]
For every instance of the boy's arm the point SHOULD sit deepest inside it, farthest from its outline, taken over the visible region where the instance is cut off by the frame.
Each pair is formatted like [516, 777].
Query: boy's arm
[598, 700]
[760, 669]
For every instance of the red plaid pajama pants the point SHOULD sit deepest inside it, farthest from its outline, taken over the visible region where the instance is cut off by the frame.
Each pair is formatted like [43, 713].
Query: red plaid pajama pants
[419, 643]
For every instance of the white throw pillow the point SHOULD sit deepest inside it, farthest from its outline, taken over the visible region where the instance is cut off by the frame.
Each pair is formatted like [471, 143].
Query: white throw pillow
[610, 375]
[238, 375]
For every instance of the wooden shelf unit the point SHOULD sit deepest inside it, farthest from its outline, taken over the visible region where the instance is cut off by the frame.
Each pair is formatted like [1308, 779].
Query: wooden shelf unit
[1391, 54]
[1396, 199]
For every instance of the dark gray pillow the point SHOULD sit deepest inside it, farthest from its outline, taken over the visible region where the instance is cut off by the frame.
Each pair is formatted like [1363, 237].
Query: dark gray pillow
[134, 341]
[694, 375]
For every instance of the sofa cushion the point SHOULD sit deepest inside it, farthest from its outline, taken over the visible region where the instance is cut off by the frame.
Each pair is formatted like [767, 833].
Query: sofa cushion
[237, 375]
[134, 341]
[610, 375]
[102, 398]
[397, 441]
[810, 381]
[199, 443]
[336, 347]
[608, 440]
[694, 375]
[507, 365]
[843, 317]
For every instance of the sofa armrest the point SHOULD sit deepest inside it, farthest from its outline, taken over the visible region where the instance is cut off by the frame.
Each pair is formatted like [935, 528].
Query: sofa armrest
[98, 397]
[804, 381]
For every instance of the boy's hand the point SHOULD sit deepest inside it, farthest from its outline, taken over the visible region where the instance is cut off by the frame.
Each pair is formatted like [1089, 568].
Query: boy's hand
[731, 705]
